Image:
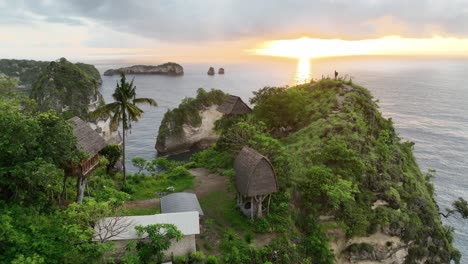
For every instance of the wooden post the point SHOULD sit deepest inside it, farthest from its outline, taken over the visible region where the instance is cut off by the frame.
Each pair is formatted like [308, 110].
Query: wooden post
[268, 208]
[251, 208]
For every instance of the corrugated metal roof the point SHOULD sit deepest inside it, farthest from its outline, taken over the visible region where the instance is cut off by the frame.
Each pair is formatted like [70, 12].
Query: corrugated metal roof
[180, 202]
[123, 228]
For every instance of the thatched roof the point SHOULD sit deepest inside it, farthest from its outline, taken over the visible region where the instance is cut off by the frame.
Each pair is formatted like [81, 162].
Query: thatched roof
[87, 139]
[180, 202]
[234, 105]
[254, 173]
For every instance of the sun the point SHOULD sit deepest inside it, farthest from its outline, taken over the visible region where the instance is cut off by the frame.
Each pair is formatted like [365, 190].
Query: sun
[309, 48]
[303, 48]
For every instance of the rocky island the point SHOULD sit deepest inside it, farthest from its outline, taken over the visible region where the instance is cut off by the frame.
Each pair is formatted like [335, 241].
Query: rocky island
[211, 71]
[169, 68]
[190, 125]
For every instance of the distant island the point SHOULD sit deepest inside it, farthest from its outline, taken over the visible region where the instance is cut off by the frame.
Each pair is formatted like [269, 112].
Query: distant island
[169, 68]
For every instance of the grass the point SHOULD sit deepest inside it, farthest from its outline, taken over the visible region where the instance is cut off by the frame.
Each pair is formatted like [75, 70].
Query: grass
[221, 208]
[221, 217]
[146, 187]
[141, 211]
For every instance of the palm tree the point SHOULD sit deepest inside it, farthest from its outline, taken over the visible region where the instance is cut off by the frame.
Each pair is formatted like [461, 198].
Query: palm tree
[124, 110]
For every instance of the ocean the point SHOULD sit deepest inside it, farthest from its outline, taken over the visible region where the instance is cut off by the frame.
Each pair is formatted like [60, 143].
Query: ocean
[427, 100]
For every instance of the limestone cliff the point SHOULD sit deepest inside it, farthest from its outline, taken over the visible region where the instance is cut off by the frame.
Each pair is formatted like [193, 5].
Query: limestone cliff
[200, 137]
[66, 87]
[169, 68]
[191, 125]
[72, 89]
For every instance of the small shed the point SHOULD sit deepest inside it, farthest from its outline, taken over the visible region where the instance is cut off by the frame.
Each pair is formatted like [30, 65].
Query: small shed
[255, 182]
[88, 141]
[121, 230]
[234, 105]
[180, 202]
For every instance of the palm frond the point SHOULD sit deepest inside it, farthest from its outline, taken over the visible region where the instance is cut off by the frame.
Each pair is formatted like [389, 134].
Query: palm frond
[116, 118]
[147, 101]
[134, 112]
[105, 110]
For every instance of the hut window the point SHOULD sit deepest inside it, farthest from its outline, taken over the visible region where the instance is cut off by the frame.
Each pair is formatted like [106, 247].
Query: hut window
[247, 205]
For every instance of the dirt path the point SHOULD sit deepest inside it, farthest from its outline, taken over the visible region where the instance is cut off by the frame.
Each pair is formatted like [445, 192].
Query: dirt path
[204, 182]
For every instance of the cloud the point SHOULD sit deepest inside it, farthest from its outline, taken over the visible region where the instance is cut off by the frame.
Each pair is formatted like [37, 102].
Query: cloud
[226, 20]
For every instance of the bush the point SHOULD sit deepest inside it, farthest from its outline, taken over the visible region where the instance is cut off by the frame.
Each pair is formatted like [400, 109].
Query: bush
[178, 173]
[212, 159]
[112, 153]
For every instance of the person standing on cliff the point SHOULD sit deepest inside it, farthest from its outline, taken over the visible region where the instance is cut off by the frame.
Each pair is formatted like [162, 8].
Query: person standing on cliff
[336, 74]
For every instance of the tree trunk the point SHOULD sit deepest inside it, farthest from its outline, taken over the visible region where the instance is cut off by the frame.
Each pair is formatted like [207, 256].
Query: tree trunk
[64, 188]
[80, 188]
[123, 154]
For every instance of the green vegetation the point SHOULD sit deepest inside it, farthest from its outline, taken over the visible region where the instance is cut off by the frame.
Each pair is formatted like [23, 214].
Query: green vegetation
[158, 239]
[25, 71]
[336, 155]
[187, 113]
[7, 84]
[141, 211]
[333, 153]
[124, 110]
[66, 87]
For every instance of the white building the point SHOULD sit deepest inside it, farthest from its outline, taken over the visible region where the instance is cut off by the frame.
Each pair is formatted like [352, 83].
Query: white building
[121, 230]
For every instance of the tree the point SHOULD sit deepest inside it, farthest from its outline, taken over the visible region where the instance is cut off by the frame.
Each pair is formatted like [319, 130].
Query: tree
[112, 153]
[159, 239]
[460, 206]
[124, 110]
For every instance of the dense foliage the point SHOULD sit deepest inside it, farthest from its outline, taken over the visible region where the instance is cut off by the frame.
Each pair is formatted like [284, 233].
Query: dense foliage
[66, 87]
[335, 155]
[25, 71]
[34, 149]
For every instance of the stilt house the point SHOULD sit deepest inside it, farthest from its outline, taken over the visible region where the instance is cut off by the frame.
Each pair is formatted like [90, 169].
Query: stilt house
[255, 182]
[88, 141]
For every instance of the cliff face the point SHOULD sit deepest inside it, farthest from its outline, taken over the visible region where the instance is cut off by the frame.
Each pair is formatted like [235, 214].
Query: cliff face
[200, 137]
[191, 125]
[67, 87]
[72, 89]
[169, 68]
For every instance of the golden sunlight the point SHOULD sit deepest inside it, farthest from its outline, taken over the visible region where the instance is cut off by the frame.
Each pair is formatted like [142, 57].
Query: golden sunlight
[302, 71]
[392, 45]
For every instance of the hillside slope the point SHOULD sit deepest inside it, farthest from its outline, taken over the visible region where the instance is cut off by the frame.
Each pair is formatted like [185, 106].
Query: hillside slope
[353, 189]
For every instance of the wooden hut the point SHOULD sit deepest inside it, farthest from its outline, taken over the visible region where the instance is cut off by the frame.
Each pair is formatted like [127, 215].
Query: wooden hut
[91, 143]
[255, 182]
[234, 105]
[88, 141]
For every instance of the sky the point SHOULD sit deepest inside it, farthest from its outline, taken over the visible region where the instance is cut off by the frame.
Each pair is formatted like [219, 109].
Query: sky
[207, 30]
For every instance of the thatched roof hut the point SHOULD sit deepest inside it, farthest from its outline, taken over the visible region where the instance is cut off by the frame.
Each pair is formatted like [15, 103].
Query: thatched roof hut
[87, 139]
[254, 173]
[234, 105]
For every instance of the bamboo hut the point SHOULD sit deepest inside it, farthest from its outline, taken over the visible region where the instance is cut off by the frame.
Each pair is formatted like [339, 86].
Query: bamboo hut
[234, 105]
[255, 182]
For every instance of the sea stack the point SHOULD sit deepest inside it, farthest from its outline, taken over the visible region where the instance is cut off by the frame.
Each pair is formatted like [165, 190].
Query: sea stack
[211, 71]
[221, 71]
